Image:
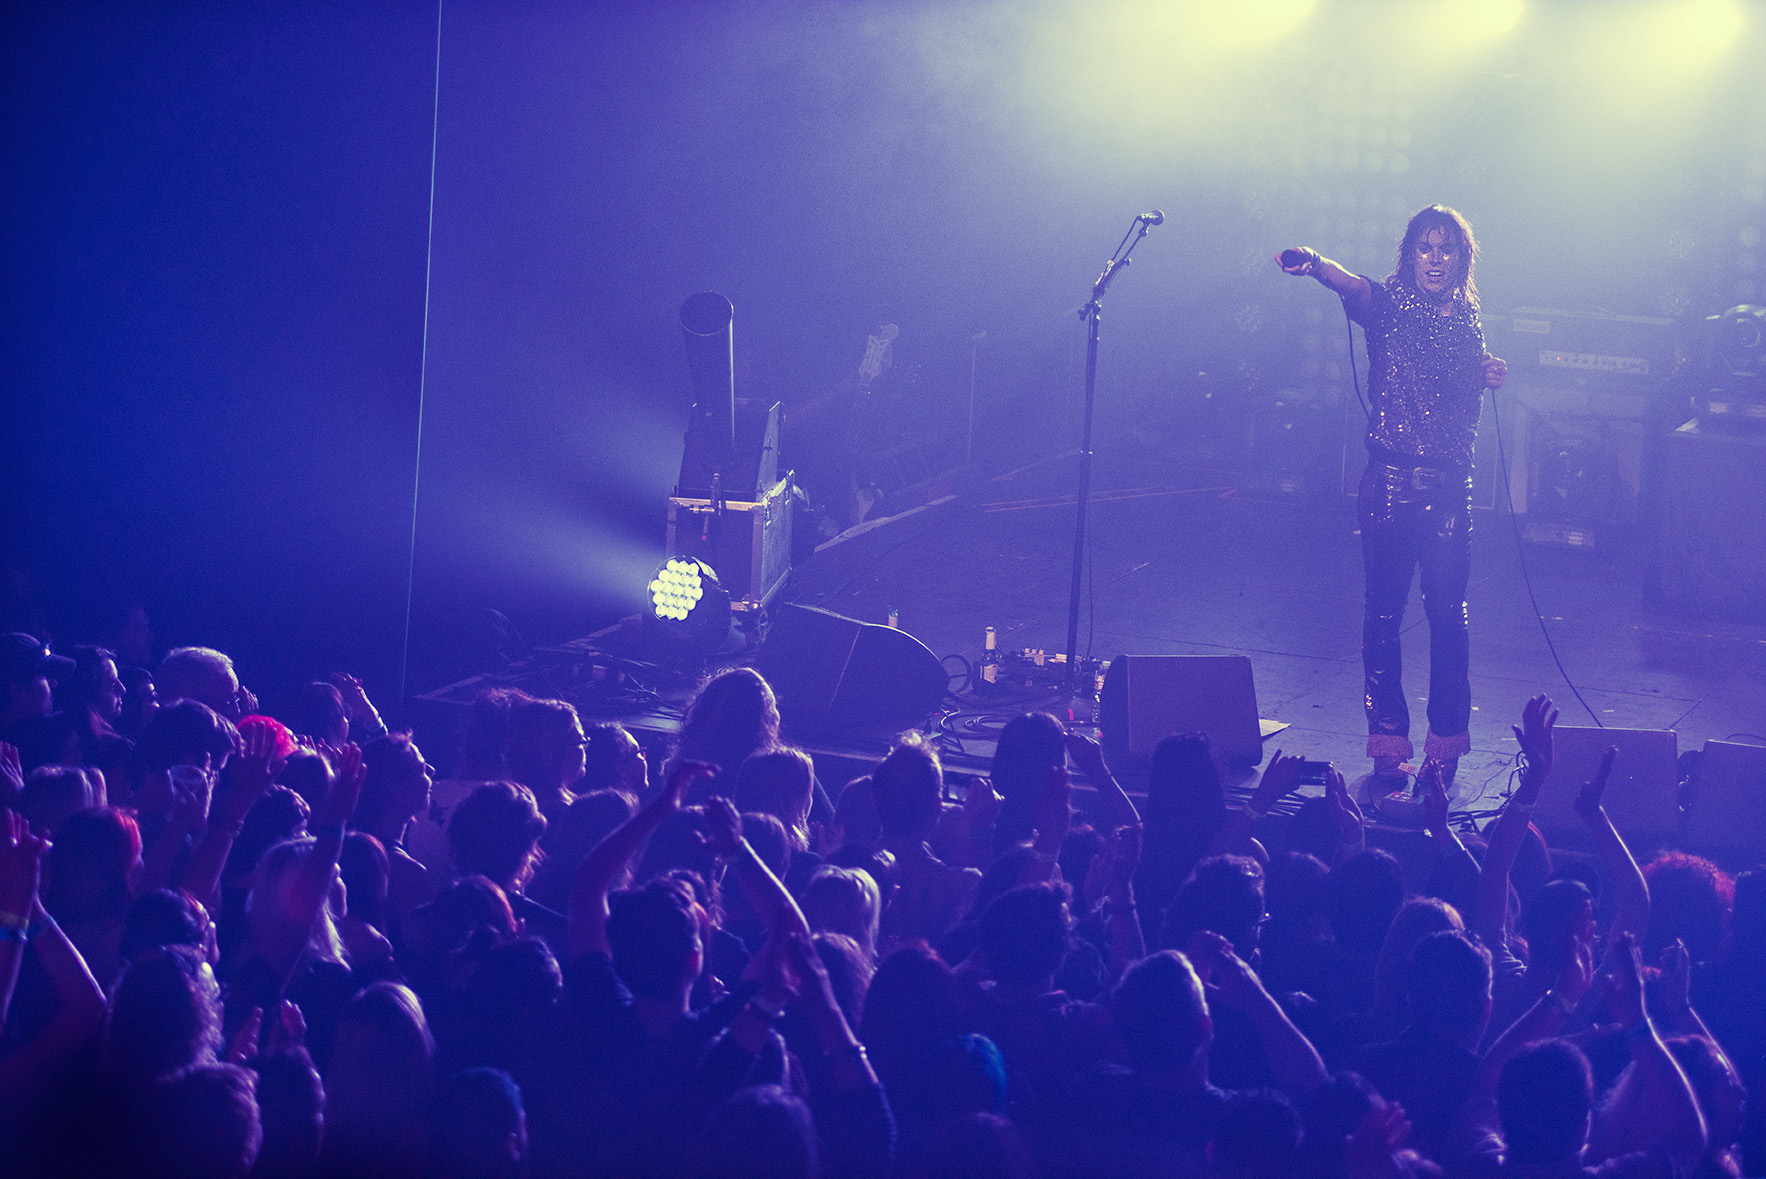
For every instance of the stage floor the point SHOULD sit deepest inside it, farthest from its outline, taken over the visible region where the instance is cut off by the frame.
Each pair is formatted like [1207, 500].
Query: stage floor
[1186, 566]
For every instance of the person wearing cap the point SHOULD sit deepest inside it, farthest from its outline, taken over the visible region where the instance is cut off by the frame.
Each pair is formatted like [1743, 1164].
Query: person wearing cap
[27, 669]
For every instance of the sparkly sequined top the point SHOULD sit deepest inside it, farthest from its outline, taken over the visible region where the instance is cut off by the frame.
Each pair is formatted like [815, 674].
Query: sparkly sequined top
[1425, 378]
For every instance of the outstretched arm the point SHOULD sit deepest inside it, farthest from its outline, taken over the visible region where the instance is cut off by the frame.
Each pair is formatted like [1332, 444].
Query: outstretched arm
[613, 855]
[1355, 291]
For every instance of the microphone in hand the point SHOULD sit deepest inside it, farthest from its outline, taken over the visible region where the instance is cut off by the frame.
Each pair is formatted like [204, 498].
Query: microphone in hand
[1293, 258]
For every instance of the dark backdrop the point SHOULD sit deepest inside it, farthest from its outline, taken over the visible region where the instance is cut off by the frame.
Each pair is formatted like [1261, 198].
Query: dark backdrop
[217, 216]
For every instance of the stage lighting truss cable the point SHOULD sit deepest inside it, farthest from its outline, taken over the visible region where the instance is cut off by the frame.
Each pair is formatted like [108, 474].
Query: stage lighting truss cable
[423, 362]
[1521, 559]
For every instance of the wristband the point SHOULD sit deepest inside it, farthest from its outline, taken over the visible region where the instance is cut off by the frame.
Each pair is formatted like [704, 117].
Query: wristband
[855, 1050]
[14, 921]
[765, 1009]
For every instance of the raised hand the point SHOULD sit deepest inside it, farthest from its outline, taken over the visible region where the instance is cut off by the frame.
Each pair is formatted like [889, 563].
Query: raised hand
[1054, 810]
[256, 769]
[347, 773]
[1350, 822]
[355, 697]
[191, 788]
[723, 828]
[1588, 799]
[21, 864]
[1676, 965]
[1225, 976]
[1623, 983]
[981, 803]
[1281, 777]
[1372, 1151]
[1087, 754]
[1308, 259]
[680, 780]
[1577, 973]
[12, 775]
[814, 988]
[1534, 733]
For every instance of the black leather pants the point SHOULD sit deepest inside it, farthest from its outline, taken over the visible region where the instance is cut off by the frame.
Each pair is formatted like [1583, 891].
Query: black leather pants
[1415, 518]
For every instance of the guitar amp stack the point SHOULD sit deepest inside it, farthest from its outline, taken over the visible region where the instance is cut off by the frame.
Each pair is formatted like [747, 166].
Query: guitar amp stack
[1596, 396]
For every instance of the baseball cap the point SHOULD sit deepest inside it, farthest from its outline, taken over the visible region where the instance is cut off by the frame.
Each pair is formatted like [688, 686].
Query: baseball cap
[24, 658]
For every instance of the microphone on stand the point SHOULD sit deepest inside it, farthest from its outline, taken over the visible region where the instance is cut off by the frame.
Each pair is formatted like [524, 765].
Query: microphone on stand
[1153, 218]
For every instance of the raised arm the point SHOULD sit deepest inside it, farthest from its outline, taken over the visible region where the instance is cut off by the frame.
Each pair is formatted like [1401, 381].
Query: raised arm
[772, 901]
[1351, 825]
[1117, 807]
[1615, 858]
[1662, 1088]
[293, 925]
[1054, 818]
[365, 721]
[21, 873]
[1490, 916]
[82, 1000]
[1281, 777]
[254, 771]
[610, 858]
[1128, 942]
[1355, 291]
[1230, 981]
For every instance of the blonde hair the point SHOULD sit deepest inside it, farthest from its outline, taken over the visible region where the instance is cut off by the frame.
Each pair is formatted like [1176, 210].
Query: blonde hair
[845, 901]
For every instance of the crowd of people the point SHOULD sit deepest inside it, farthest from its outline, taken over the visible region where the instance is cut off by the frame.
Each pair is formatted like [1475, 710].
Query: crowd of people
[234, 944]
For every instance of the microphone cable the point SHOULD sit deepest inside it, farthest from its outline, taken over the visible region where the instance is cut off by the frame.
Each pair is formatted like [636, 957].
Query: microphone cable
[1521, 560]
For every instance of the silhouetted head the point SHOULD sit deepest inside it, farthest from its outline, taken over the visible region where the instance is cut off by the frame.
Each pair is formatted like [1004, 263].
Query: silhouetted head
[1448, 981]
[780, 783]
[908, 788]
[495, 832]
[656, 934]
[1161, 1013]
[1223, 895]
[1544, 1098]
[1024, 934]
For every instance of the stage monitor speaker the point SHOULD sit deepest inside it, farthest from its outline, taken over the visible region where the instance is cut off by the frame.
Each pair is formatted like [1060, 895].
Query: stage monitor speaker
[837, 672]
[1640, 797]
[1727, 817]
[1147, 698]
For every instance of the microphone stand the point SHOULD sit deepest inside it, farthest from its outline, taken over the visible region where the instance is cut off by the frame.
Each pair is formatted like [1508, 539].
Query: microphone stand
[1091, 312]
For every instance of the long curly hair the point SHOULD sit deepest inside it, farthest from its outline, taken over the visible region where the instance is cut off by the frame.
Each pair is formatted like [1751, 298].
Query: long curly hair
[1459, 233]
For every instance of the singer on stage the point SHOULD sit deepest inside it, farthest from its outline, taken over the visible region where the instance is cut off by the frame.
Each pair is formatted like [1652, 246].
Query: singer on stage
[1427, 372]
